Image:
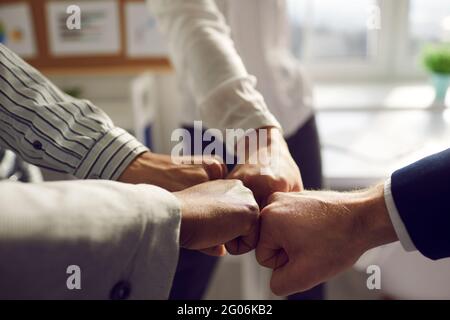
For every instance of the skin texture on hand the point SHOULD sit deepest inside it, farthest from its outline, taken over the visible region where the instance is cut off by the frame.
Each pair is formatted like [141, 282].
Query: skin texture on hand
[162, 171]
[282, 175]
[217, 215]
[308, 237]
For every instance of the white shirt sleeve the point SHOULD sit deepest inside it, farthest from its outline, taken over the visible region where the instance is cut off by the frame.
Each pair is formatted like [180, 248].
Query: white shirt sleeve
[397, 222]
[203, 52]
[124, 239]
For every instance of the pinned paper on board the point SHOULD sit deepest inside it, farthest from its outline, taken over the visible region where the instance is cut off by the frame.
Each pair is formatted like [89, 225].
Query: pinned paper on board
[99, 32]
[16, 30]
[143, 36]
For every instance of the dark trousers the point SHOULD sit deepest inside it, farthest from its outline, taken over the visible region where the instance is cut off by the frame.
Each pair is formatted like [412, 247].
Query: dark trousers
[195, 269]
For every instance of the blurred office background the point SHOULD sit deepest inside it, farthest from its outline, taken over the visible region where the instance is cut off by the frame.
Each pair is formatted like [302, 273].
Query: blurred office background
[378, 108]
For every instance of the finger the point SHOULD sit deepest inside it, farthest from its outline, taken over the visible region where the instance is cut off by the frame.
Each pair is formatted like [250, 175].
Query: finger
[263, 186]
[260, 188]
[269, 251]
[274, 197]
[244, 244]
[269, 254]
[234, 174]
[298, 187]
[224, 228]
[283, 281]
[215, 169]
[217, 251]
[271, 258]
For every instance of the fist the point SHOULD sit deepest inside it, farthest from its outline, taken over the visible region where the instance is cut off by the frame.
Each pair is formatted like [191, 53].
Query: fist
[268, 168]
[306, 238]
[219, 215]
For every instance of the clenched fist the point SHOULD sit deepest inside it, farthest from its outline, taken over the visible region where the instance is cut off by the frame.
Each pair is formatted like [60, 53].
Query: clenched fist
[217, 215]
[268, 168]
[308, 237]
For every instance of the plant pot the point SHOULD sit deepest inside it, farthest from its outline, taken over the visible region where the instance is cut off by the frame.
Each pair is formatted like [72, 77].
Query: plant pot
[441, 82]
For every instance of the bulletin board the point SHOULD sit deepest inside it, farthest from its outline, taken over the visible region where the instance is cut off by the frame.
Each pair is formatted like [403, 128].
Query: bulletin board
[124, 59]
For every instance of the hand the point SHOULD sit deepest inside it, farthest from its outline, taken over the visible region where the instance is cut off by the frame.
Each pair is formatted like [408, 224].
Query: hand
[269, 169]
[162, 171]
[219, 213]
[309, 237]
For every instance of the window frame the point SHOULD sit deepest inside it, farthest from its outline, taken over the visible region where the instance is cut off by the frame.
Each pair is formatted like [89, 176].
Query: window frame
[393, 60]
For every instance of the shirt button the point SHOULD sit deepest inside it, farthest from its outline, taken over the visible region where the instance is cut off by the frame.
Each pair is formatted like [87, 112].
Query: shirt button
[37, 145]
[120, 291]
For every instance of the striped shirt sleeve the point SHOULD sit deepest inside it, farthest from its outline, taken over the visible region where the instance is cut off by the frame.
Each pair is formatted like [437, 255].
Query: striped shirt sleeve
[52, 130]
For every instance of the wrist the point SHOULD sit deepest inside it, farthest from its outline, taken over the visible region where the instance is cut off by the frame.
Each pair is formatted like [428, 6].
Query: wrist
[133, 172]
[372, 218]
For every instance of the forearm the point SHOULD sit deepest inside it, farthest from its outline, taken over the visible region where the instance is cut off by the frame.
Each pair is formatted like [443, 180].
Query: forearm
[372, 222]
[53, 130]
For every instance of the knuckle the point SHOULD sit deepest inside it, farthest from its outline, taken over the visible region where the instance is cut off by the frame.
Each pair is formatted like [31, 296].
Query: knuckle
[265, 217]
[252, 213]
[266, 212]
[252, 208]
[235, 182]
[214, 170]
[275, 196]
[238, 187]
[218, 159]
[251, 217]
[201, 178]
[213, 163]
[280, 184]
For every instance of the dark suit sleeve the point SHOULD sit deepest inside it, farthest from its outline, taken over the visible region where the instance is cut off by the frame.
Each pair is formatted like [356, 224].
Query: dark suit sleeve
[421, 192]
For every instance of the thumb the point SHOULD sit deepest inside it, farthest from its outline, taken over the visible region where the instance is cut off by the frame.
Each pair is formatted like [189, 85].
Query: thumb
[283, 281]
[215, 168]
[217, 251]
[272, 258]
[270, 252]
[297, 275]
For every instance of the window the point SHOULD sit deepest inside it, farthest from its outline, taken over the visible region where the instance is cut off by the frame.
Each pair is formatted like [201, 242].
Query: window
[332, 37]
[429, 21]
[330, 29]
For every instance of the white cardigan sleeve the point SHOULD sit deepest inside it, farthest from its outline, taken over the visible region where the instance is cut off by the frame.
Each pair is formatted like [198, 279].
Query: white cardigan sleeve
[124, 239]
[203, 52]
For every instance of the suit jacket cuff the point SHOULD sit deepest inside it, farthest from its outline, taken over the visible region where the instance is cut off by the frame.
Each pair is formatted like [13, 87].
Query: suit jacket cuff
[397, 222]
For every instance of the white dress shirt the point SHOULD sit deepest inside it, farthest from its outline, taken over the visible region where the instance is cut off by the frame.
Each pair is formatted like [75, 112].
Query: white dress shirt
[261, 32]
[397, 222]
[260, 40]
[204, 54]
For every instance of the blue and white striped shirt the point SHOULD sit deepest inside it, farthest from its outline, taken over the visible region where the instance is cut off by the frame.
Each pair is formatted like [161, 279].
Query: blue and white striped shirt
[50, 129]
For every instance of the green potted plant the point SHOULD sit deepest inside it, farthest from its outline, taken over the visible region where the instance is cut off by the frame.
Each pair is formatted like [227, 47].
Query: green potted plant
[436, 58]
